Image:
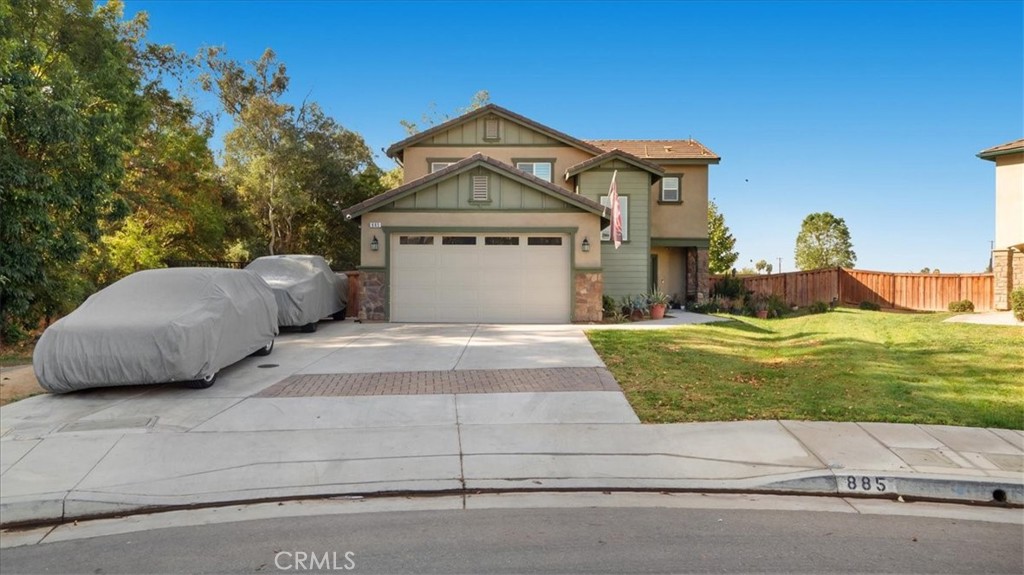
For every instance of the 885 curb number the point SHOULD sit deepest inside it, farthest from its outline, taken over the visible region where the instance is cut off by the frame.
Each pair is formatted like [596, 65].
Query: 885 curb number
[865, 484]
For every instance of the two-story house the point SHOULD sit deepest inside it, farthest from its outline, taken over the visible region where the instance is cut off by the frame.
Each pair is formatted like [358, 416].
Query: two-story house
[503, 219]
[1008, 247]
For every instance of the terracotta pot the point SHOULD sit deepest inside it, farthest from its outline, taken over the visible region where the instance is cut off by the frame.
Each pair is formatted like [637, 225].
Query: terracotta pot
[762, 314]
[636, 315]
[658, 311]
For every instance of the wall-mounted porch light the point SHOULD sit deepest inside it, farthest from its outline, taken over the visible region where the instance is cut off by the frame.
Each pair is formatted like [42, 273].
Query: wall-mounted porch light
[586, 245]
[374, 244]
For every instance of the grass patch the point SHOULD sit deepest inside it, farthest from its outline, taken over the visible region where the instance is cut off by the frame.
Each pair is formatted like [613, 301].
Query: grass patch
[847, 365]
[20, 354]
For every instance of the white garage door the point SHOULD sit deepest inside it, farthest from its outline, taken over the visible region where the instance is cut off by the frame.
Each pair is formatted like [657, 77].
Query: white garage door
[486, 277]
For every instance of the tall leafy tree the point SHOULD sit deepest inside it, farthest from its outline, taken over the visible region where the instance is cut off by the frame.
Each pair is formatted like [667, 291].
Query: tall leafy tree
[824, 242]
[262, 150]
[295, 169]
[70, 109]
[721, 253]
[336, 170]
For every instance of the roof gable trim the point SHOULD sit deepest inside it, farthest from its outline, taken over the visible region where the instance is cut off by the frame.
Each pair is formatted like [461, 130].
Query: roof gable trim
[476, 160]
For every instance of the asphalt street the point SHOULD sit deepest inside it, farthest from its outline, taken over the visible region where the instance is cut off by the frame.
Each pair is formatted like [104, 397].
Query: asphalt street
[586, 540]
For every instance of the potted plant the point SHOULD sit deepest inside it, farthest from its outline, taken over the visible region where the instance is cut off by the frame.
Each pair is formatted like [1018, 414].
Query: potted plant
[658, 301]
[760, 302]
[637, 307]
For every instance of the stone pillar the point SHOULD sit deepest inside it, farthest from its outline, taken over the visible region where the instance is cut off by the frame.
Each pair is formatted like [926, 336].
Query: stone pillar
[1001, 270]
[691, 272]
[703, 276]
[1016, 271]
[587, 304]
[372, 296]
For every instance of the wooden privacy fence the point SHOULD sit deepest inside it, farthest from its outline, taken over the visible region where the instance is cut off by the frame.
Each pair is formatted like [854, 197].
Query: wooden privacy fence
[921, 292]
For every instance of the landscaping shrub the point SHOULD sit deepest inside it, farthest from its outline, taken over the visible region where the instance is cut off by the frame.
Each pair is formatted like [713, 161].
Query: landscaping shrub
[869, 306]
[962, 306]
[730, 287]
[777, 307]
[818, 307]
[1017, 303]
[608, 304]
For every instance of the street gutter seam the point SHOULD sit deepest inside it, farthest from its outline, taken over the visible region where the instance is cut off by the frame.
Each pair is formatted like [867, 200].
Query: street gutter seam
[153, 509]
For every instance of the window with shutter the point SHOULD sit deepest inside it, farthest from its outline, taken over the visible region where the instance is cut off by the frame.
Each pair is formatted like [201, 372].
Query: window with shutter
[540, 169]
[670, 189]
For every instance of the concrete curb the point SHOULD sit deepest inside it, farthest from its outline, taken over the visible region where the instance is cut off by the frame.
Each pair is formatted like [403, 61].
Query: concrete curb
[55, 508]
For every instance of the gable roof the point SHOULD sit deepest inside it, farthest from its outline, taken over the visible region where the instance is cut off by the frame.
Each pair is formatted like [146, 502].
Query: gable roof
[1002, 149]
[613, 155]
[661, 149]
[465, 165]
[395, 150]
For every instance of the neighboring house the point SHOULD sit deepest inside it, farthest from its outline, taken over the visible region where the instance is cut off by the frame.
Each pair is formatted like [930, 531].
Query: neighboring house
[1008, 249]
[502, 219]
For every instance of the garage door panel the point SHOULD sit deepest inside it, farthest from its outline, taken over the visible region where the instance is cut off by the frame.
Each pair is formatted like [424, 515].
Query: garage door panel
[493, 283]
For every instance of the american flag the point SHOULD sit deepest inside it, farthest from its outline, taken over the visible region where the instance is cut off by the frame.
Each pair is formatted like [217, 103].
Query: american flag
[613, 200]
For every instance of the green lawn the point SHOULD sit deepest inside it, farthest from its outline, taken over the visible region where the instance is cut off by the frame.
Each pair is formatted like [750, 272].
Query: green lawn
[847, 365]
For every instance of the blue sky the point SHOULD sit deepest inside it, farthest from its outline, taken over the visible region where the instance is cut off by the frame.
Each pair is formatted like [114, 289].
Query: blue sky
[871, 110]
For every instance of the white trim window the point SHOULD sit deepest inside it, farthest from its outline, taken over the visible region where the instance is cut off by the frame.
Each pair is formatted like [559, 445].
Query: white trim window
[671, 189]
[541, 170]
[606, 233]
[438, 166]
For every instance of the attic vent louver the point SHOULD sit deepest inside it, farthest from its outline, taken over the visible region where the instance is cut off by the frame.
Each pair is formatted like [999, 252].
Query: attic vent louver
[479, 188]
[491, 129]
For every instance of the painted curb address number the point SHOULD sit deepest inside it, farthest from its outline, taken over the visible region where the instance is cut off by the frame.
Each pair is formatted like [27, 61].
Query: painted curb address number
[865, 484]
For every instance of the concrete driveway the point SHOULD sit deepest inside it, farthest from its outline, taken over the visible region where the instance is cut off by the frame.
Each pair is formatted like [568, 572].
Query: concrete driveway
[235, 402]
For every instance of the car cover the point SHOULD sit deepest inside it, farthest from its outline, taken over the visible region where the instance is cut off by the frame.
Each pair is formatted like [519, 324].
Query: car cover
[156, 326]
[305, 287]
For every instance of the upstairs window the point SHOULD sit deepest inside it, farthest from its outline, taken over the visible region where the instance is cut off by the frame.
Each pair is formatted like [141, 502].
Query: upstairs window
[541, 170]
[438, 166]
[606, 234]
[670, 189]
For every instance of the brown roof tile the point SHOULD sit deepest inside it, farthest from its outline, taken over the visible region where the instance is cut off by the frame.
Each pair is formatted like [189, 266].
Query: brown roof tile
[1007, 148]
[660, 149]
[500, 167]
[626, 156]
[397, 147]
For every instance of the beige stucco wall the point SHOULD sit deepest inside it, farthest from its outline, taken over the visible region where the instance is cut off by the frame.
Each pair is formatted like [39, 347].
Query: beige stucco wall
[1009, 201]
[417, 157]
[586, 224]
[688, 219]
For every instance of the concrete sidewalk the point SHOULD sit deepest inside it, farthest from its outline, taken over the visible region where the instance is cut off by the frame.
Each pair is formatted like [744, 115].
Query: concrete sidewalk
[254, 436]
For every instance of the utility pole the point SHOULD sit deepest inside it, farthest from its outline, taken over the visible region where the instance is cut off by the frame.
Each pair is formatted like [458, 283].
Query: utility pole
[780, 265]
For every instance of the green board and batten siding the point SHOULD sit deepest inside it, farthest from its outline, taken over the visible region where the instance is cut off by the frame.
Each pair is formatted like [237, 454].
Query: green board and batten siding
[472, 132]
[456, 193]
[626, 270]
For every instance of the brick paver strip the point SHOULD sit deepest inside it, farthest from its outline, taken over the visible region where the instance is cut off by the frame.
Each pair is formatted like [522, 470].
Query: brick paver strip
[444, 382]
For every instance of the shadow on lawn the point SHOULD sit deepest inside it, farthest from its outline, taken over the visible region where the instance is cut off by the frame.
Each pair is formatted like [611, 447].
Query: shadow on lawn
[744, 372]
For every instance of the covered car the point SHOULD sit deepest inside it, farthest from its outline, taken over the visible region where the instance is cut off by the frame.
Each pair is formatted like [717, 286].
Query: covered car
[157, 326]
[306, 288]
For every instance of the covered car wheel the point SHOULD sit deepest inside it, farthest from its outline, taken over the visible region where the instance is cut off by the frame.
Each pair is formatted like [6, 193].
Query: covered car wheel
[338, 315]
[309, 327]
[265, 350]
[202, 383]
